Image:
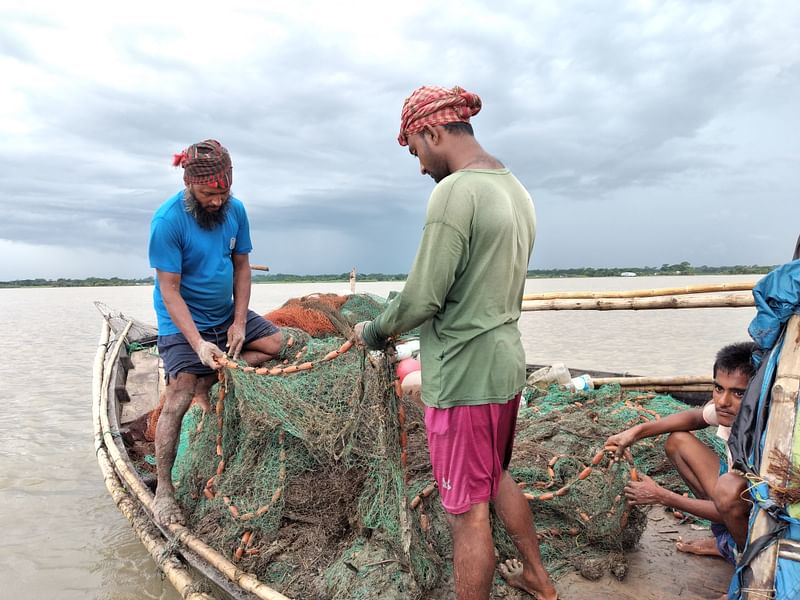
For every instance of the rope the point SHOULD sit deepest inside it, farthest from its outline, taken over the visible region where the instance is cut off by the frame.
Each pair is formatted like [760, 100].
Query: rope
[296, 367]
[768, 593]
[169, 550]
[211, 492]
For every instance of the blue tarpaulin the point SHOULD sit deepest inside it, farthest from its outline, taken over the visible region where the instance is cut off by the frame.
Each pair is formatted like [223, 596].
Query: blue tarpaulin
[777, 298]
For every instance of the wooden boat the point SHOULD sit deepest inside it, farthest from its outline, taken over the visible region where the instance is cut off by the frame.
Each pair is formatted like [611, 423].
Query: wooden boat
[126, 387]
[694, 391]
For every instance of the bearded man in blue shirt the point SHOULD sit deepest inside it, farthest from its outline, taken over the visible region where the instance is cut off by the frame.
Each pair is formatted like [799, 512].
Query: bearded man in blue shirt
[199, 246]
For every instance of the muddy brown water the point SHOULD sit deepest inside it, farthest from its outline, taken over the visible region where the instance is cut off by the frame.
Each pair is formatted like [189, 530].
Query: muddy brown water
[63, 538]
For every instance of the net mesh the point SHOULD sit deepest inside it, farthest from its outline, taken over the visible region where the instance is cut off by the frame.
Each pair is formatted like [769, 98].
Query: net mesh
[319, 482]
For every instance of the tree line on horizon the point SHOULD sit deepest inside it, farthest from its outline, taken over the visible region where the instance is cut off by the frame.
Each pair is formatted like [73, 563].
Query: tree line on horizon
[683, 268]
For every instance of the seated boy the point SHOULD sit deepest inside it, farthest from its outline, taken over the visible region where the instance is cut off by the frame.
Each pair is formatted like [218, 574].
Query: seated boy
[718, 497]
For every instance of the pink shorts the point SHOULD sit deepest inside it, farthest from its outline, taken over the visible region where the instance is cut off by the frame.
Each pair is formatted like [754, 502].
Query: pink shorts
[470, 447]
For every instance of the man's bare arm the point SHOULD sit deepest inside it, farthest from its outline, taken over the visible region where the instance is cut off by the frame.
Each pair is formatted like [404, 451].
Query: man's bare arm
[241, 300]
[170, 286]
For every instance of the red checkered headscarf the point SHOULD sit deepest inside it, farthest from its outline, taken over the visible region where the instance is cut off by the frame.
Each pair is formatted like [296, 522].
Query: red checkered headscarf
[206, 163]
[432, 105]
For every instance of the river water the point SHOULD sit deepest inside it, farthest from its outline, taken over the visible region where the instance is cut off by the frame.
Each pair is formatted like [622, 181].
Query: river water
[63, 538]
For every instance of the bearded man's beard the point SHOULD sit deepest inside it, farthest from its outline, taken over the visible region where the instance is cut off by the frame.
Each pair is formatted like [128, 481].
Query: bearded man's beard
[207, 219]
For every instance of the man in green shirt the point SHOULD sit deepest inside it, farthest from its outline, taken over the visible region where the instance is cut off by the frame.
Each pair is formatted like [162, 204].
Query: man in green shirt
[465, 291]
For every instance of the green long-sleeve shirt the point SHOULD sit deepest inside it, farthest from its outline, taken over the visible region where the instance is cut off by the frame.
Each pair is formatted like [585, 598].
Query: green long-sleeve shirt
[465, 290]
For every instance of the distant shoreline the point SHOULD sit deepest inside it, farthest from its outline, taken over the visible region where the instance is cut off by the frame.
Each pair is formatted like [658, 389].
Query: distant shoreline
[664, 270]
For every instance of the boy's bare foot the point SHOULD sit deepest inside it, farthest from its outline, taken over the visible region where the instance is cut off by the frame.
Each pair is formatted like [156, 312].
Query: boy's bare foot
[704, 547]
[166, 510]
[512, 571]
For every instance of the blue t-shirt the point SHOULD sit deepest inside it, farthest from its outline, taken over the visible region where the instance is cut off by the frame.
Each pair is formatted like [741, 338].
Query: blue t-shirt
[202, 257]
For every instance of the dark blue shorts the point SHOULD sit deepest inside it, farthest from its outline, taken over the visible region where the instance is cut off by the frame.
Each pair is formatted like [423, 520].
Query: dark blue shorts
[179, 357]
[725, 542]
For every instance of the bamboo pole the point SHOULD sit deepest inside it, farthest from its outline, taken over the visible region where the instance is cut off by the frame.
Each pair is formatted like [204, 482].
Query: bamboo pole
[780, 433]
[245, 580]
[720, 301]
[180, 577]
[669, 389]
[173, 569]
[97, 379]
[259, 268]
[645, 293]
[673, 381]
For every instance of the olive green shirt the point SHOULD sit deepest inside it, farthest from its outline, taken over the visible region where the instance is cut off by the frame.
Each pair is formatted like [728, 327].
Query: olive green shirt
[465, 290]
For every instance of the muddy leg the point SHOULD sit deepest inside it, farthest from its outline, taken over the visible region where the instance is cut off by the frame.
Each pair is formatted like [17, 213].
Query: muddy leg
[696, 463]
[527, 574]
[178, 397]
[473, 552]
[262, 349]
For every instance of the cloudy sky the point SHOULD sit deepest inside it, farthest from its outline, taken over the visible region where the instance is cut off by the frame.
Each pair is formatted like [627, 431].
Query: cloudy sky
[648, 132]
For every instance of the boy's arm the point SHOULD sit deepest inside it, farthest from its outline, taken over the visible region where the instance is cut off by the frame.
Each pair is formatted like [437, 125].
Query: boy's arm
[687, 420]
[646, 491]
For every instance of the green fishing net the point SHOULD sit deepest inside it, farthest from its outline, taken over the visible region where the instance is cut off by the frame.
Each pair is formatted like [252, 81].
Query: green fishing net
[327, 472]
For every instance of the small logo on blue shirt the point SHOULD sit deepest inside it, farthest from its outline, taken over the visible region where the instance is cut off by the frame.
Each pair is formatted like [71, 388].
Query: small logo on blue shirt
[233, 243]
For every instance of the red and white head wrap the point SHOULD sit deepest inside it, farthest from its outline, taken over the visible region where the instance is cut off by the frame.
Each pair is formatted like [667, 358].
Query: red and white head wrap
[433, 105]
[206, 163]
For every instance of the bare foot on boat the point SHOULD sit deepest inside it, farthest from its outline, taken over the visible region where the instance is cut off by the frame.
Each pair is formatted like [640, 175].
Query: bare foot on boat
[166, 510]
[704, 547]
[512, 571]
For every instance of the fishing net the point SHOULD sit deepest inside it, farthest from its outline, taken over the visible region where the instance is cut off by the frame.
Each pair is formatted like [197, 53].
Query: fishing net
[318, 480]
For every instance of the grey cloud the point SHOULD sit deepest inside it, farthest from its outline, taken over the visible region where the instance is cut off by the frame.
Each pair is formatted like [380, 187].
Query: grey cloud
[631, 119]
